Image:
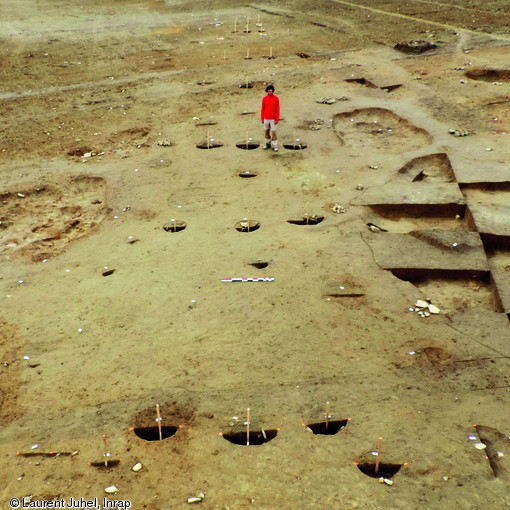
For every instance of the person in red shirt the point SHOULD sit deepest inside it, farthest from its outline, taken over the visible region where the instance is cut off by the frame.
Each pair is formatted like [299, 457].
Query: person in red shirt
[270, 116]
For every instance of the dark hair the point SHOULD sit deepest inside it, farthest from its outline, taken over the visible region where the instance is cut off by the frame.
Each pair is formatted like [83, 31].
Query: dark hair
[270, 87]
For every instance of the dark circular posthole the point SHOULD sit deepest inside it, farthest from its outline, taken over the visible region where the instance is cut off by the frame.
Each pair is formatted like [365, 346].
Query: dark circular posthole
[152, 433]
[247, 174]
[259, 264]
[101, 465]
[247, 225]
[312, 220]
[257, 437]
[295, 146]
[211, 145]
[386, 470]
[174, 226]
[415, 47]
[333, 427]
[247, 145]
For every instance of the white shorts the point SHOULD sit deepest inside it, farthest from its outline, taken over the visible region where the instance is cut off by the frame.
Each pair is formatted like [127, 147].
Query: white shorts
[270, 124]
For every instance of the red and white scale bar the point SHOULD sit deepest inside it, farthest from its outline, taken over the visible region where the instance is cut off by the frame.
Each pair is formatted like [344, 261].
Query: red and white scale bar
[267, 279]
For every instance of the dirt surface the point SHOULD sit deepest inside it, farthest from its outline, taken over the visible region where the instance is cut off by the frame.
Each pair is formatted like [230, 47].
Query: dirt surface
[106, 314]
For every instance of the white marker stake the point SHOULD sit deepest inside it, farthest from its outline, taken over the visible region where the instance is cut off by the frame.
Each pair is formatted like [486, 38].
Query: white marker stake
[159, 422]
[378, 459]
[248, 427]
[105, 451]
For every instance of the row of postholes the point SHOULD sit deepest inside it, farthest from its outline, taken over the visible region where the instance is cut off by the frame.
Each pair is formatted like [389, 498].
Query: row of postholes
[383, 471]
[245, 225]
[210, 143]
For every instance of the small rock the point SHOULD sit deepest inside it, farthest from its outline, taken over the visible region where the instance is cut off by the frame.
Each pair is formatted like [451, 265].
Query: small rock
[480, 446]
[433, 309]
[458, 132]
[421, 304]
[164, 143]
[111, 490]
[445, 478]
[360, 187]
[338, 209]
[137, 467]
[196, 499]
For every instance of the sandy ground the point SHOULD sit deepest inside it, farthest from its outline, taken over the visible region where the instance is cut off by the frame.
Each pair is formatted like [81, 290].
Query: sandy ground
[88, 90]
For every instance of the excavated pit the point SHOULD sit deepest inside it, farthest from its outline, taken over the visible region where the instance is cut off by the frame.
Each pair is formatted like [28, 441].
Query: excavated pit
[247, 174]
[385, 469]
[247, 226]
[257, 437]
[211, 145]
[295, 146]
[174, 226]
[311, 220]
[248, 146]
[415, 47]
[490, 75]
[378, 128]
[152, 433]
[329, 429]
[101, 464]
[259, 264]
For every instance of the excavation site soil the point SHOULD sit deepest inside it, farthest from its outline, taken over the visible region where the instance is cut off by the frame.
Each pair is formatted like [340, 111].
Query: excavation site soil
[189, 319]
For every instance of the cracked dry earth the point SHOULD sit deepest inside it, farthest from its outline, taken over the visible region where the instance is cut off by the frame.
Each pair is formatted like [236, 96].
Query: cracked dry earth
[106, 314]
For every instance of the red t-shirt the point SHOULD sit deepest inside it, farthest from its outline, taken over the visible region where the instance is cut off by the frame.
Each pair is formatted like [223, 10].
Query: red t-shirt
[270, 108]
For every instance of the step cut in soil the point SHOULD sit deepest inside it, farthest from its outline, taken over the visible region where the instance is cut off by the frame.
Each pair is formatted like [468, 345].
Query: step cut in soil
[362, 81]
[152, 433]
[257, 437]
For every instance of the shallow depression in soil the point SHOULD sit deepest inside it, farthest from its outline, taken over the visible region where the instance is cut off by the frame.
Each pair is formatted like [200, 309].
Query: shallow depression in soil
[380, 129]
